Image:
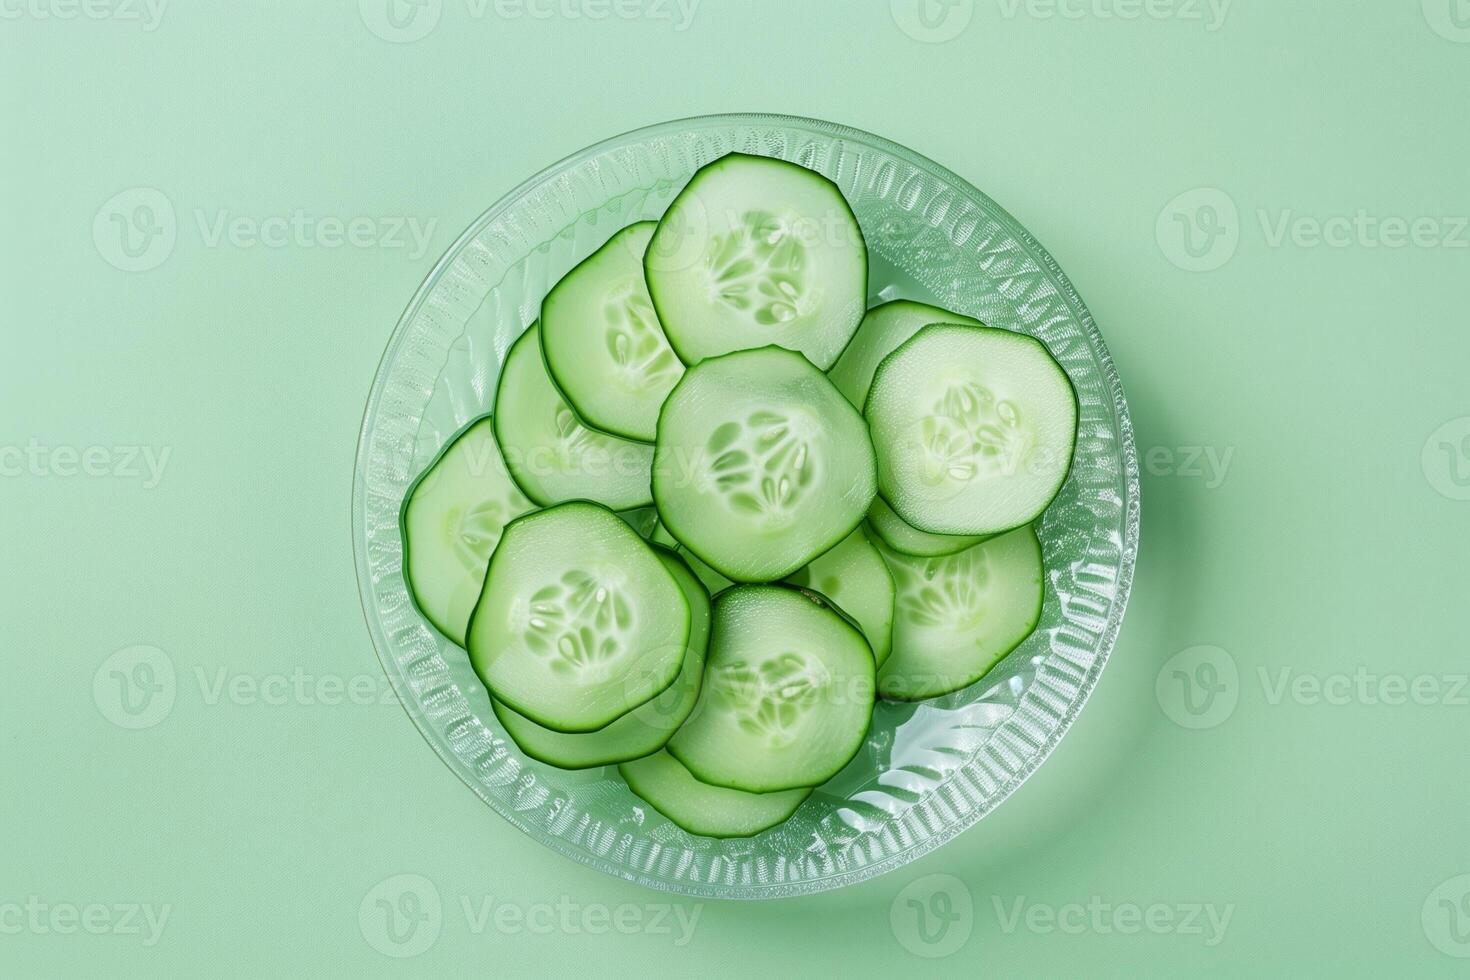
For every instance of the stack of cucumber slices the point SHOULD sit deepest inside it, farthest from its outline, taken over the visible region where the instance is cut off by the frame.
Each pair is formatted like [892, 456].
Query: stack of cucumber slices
[719, 509]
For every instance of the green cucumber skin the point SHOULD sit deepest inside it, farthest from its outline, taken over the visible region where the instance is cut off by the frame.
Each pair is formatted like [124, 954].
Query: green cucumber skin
[802, 578]
[1071, 458]
[847, 375]
[933, 545]
[532, 715]
[735, 156]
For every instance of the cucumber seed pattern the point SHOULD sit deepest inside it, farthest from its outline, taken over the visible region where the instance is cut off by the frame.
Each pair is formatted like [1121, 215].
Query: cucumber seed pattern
[761, 467]
[944, 593]
[757, 266]
[578, 622]
[970, 434]
[768, 699]
[644, 359]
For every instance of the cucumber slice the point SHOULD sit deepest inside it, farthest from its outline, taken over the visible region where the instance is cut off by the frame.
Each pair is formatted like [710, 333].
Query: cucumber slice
[579, 621]
[857, 581]
[756, 251]
[957, 617]
[974, 429]
[551, 455]
[603, 343]
[883, 329]
[906, 539]
[661, 535]
[647, 727]
[451, 520]
[788, 693]
[761, 465]
[702, 809]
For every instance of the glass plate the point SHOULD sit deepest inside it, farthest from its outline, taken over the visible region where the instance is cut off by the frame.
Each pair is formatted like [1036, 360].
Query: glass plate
[927, 771]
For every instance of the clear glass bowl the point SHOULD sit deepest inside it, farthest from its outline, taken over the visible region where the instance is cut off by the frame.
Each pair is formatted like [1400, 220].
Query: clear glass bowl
[927, 771]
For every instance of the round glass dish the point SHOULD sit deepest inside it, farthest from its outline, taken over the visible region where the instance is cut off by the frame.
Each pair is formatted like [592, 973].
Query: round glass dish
[928, 770]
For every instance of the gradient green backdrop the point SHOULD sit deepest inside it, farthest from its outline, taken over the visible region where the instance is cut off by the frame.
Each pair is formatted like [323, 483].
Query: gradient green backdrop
[1300, 401]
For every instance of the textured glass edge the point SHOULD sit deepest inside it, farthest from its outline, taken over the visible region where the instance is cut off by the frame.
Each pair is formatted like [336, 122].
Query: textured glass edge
[1027, 736]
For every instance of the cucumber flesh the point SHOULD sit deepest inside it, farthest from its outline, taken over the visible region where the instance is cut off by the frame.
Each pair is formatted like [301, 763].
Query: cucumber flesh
[702, 809]
[788, 693]
[884, 327]
[906, 539]
[973, 427]
[579, 621]
[604, 347]
[761, 465]
[713, 580]
[551, 455]
[957, 617]
[854, 577]
[756, 251]
[647, 727]
[452, 518]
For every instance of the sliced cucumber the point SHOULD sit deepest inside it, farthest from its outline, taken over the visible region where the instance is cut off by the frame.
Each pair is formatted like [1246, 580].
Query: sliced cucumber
[603, 343]
[552, 456]
[647, 727]
[788, 693]
[661, 534]
[451, 521]
[974, 429]
[699, 808]
[883, 328]
[761, 465]
[579, 621]
[906, 539]
[756, 251]
[857, 581]
[957, 617]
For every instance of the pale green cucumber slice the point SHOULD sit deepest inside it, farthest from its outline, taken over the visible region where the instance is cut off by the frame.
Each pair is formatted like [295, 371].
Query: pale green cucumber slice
[579, 622]
[756, 251]
[761, 465]
[787, 696]
[957, 617]
[604, 347]
[906, 539]
[647, 727]
[452, 517]
[883, 328]
[551, 455]
[854, 576]
[973, 427]
[702, 809]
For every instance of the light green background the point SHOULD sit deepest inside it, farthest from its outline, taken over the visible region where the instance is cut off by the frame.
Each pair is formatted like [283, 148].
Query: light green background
[1332, 541]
